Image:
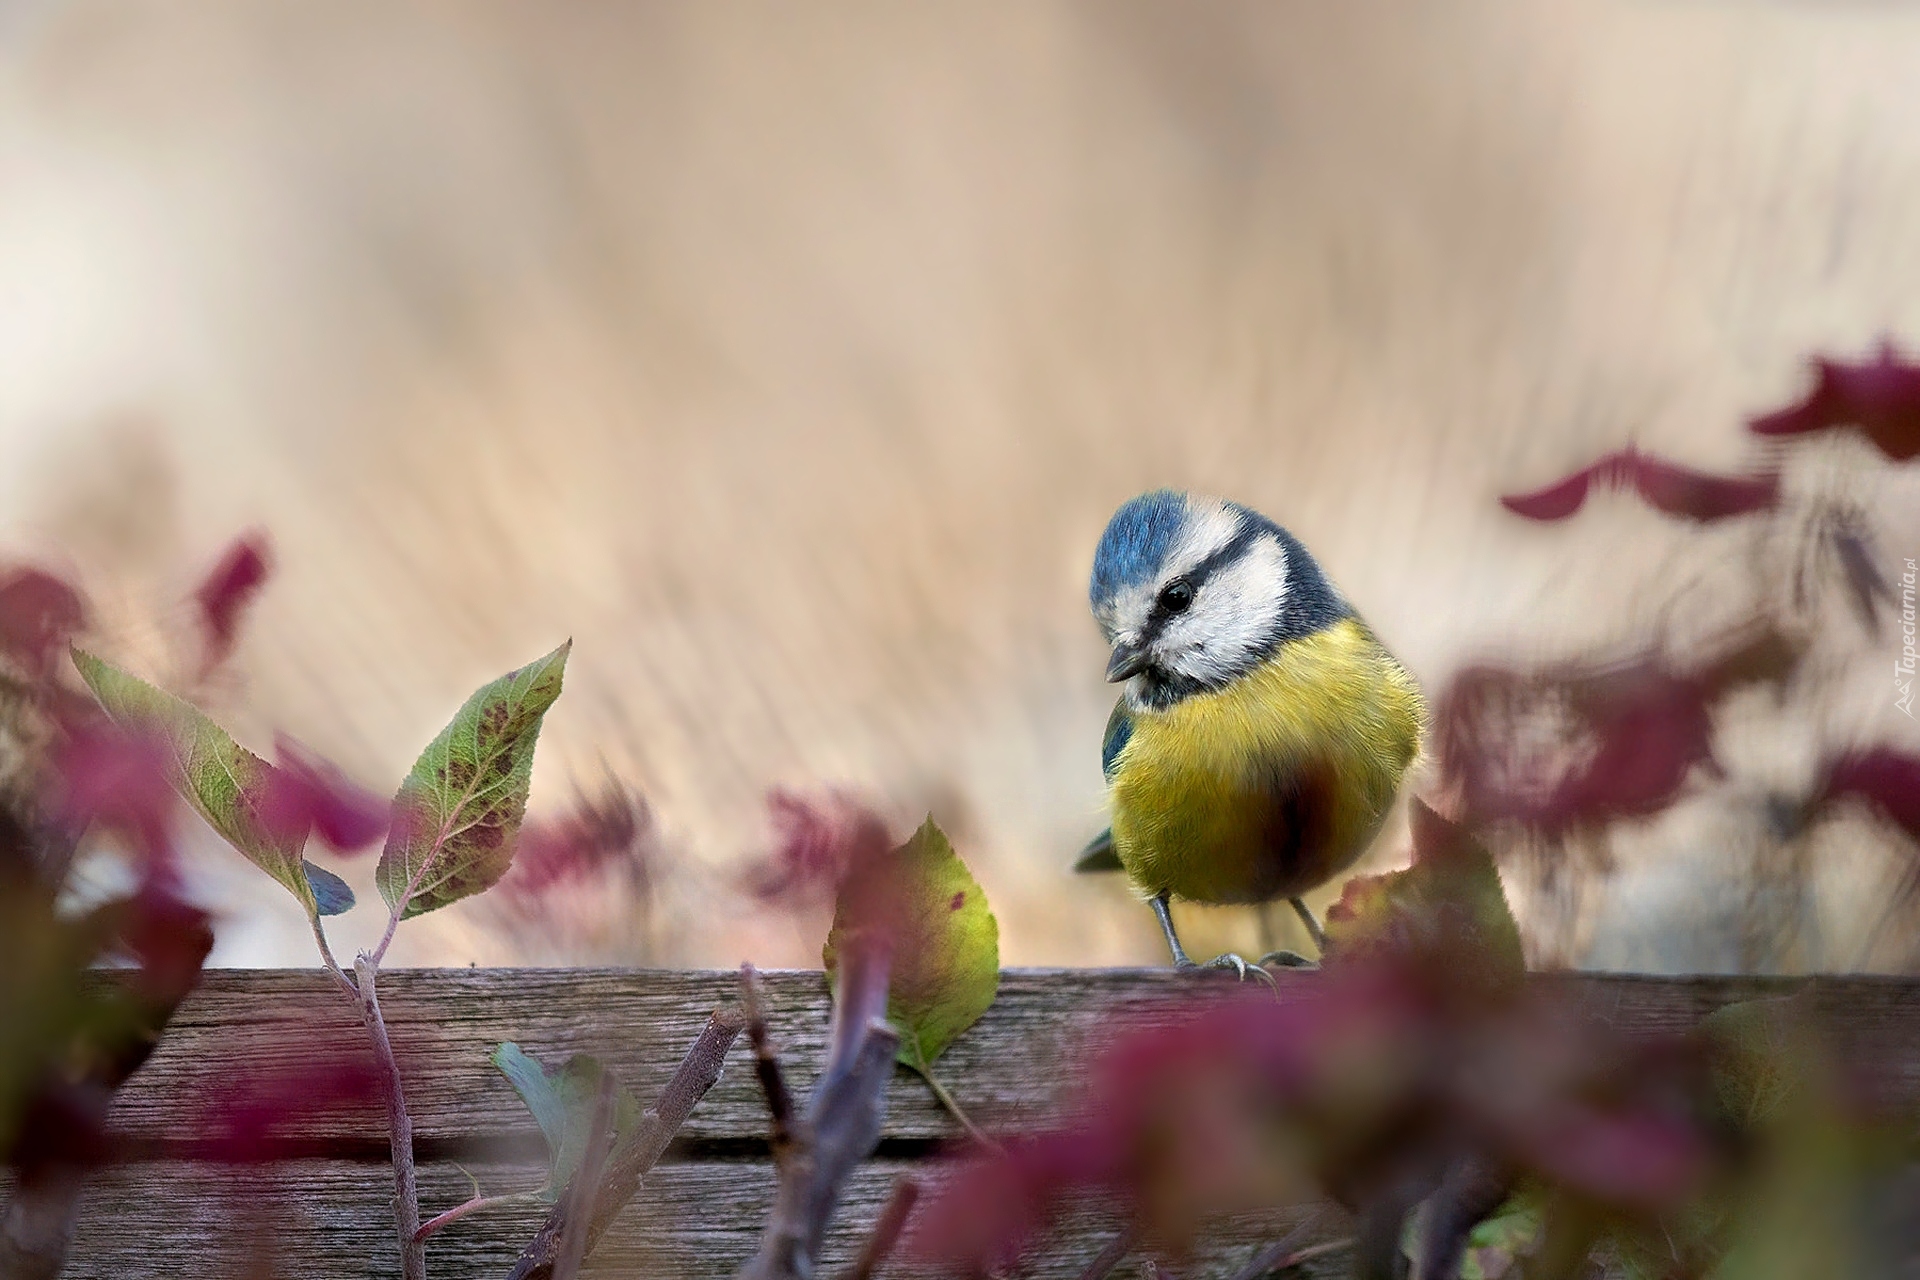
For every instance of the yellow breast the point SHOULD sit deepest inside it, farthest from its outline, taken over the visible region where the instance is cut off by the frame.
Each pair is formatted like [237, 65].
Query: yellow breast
[1273, 784]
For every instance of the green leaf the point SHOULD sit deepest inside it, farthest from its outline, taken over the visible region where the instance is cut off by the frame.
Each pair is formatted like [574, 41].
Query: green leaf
[457, 815]
[563, 1104]
[946, 964]
[1497, 1242]
[1449, 900]
[213, 773]
[1756, 1064]
[529, 1080]
[332, 896]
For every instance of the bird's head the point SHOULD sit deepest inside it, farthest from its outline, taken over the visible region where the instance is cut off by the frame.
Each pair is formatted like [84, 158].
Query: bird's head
[1193, 592]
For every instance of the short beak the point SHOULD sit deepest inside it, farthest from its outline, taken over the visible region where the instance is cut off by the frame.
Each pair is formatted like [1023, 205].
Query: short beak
[1128, 660]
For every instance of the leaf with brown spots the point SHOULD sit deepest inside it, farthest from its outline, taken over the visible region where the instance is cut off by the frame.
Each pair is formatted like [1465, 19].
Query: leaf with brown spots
[945, 941]
[457, 816]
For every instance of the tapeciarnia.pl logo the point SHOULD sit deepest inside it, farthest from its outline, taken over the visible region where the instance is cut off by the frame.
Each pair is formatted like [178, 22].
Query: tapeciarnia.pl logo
[1903, 666]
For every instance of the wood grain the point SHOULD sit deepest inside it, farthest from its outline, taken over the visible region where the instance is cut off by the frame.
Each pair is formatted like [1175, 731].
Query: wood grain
[327, 1212]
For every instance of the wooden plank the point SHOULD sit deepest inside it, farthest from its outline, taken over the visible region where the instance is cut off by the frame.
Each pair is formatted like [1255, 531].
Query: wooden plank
[1007, 1070]
[328, 1214]
[332, 1219]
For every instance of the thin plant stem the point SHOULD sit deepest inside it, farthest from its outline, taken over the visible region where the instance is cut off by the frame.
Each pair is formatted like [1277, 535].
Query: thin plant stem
[1268, 1258]
[406, 1191]
[441, 1221]
[1109, 1257]
[954, 1109]
[887, 1231]
[333, 966]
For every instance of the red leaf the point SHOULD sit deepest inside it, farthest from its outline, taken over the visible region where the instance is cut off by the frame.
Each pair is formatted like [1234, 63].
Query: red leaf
[820, 842]
[1880, 396]
[168, 937]
[1682, 491]
[599, 832]
[1885, 778]
[306, 793]
[258, 1116]
[38, 612]
[227, 591]
[1666, 486]
[1555, 502]
[118, 780]
[1572, 747]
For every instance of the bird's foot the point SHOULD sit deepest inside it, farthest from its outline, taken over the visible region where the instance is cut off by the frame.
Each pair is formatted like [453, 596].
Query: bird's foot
[1228, 962]
[1287, 960]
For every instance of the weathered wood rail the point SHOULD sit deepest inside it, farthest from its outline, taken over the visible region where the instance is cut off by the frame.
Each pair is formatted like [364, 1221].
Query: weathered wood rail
[170, 1210]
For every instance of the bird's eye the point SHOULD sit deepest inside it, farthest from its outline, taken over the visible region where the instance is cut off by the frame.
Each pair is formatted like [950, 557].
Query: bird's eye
[1176, 596]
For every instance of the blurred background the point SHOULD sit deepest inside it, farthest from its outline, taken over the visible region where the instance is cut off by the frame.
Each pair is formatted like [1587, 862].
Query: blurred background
[791, 361]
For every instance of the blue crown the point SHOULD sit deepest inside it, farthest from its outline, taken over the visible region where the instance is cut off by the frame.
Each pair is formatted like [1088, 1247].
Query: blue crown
[1136, 542]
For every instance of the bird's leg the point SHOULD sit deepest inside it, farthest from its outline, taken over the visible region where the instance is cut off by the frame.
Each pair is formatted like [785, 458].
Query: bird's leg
[1314, 930]
[1181, 960]
[1293, 959]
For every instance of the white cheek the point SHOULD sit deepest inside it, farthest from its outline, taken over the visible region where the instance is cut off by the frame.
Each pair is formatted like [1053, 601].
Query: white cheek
[1232, 619]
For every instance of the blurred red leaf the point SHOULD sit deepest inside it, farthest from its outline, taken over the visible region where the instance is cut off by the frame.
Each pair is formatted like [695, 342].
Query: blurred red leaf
[1665, 486]
[225, 593]
[307, 793]
[38, 613]
[600, 831]
[1880, 396]
[819, 841]
[168, 938]
[1575, 746]
[1368, 1079]
[257, 1116]
[1883, 777]
[118, 780]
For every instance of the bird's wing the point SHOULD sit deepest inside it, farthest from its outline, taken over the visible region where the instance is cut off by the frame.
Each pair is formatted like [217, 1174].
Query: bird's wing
[1119, 730]
[1099, 855]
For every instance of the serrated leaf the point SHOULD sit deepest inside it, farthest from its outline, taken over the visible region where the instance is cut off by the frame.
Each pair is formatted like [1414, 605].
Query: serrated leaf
[332, 896]
[1450, 899]
[456, 816]
[563, 1104]
[221, 779]
[946, 962]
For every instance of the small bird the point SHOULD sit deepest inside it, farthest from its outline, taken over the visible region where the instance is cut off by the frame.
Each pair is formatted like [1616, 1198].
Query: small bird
[1263, 731]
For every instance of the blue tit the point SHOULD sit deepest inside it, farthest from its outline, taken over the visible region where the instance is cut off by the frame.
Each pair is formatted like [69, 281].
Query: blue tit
[1263, 731]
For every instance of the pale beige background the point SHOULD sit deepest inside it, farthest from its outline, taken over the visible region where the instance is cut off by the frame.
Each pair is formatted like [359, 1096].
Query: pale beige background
[790, 359]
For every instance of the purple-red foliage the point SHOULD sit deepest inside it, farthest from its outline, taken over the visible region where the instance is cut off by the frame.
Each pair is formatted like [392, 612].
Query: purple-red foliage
[118, 780]
[167, 937]
[1665, 486]
[260, 1115]
[38, 614]
[820, 843]
[1880, 396]
[1399, 1062]
[1575, 746]
[307, 793]
[1885, 778]
[224, 594]
[600, 831]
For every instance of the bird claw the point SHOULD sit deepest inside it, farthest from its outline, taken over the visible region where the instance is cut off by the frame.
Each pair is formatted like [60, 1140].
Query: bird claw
[1229, 961]
[1287, 960]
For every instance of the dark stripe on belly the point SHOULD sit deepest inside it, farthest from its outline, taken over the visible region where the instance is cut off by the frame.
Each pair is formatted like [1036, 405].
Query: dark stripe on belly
[1296, 846]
